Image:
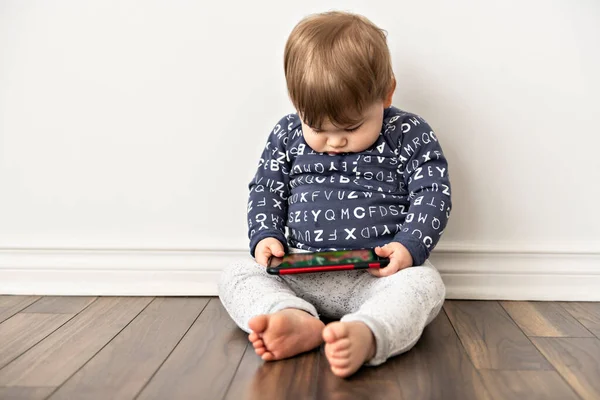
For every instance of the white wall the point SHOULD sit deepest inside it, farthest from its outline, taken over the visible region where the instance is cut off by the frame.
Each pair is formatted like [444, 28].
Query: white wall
[137, 125]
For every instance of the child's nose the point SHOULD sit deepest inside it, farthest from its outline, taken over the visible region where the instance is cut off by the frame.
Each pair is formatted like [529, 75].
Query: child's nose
[336, 141]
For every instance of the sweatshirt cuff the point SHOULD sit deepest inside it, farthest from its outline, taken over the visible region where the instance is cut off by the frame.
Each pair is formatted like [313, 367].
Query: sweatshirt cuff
[267, 234]
[415, 247]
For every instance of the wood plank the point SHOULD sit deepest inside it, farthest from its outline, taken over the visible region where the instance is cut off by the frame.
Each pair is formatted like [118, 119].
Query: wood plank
[19, 333]
[10, 305]
[25, 393]
[588, 314]
[577, 360]
[122, 368]
[59, 304]
[242, 385]
[530, 385]
[367, 383]
[544, 319]
[491, 338]
[204, 361]
[438, 367]
[293, 378]
[61, 354]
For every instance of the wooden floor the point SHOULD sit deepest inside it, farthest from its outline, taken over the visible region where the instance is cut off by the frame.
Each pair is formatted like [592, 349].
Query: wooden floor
[188, 348]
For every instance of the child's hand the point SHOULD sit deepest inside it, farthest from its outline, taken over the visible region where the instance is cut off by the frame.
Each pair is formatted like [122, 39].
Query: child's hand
[399, 256]
[266, 248]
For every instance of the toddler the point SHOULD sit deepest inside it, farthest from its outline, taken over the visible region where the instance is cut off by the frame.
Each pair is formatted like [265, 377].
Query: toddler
[348, 171]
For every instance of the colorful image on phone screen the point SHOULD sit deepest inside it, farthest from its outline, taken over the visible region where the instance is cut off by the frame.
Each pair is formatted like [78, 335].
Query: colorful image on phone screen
[326, 261]
[327, 258]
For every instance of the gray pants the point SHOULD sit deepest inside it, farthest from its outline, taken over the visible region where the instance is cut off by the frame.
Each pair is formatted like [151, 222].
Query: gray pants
[396, 308]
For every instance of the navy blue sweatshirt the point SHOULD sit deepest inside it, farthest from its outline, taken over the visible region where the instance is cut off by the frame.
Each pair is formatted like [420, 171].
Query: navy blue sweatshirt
[396, 191]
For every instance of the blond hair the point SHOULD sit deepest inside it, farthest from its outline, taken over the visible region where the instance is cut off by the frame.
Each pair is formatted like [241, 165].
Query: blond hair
[336, 65]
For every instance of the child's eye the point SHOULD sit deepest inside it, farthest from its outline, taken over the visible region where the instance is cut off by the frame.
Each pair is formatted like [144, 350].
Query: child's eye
[353, 129]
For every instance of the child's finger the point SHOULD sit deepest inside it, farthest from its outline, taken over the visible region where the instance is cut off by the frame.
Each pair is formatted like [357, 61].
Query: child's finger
[384, 251]
[263, 258]
[277, 249]
[388, 270]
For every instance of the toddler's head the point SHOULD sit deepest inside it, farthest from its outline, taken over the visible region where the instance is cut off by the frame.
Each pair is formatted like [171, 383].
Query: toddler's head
[340, 79]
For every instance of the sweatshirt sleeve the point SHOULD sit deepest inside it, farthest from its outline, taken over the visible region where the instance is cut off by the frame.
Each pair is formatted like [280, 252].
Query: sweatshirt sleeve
[269, 190]
[424, 171]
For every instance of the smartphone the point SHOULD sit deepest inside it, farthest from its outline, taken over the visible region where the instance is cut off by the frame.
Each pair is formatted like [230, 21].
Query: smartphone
[301, 263]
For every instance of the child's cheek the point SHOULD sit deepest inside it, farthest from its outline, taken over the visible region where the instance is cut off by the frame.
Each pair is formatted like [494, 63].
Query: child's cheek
[316, 142]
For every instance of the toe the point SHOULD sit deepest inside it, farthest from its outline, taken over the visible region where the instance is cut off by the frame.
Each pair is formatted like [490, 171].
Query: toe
[329, 334]
[260, 351]
[337, 349]
[268, 356]
[335, 331]
[258, 344]
[339, 345]
[339, 363]
[253, 337]
[341, 372]
[259, 324]
[338, 354]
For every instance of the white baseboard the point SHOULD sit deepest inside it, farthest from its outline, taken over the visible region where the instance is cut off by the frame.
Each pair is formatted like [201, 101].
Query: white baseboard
[505, 276]
[469, 272]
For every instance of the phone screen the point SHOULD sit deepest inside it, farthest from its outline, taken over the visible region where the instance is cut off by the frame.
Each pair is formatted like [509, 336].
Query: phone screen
[342, 257]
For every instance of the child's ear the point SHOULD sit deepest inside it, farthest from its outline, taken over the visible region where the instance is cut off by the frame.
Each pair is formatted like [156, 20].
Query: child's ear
[390, 95]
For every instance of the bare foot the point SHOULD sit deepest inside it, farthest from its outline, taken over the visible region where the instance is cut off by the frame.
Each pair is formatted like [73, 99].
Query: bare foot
[285, 333]
[347, 346]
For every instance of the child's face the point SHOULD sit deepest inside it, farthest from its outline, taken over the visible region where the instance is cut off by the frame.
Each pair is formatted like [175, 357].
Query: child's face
[348, 139]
